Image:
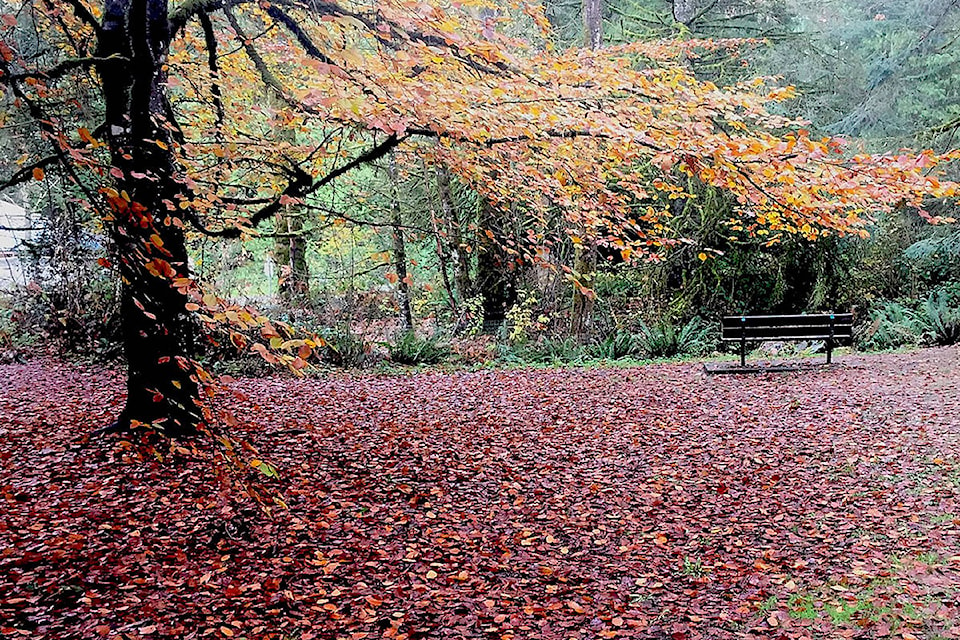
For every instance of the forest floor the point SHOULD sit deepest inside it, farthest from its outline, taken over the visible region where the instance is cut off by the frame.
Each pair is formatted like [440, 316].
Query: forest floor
[652, 502]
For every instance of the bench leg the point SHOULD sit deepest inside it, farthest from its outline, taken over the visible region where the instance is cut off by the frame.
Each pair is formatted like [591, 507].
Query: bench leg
[743, 354]
[829, 351]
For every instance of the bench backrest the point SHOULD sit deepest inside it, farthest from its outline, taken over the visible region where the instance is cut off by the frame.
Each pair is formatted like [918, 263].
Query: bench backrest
[814, 326]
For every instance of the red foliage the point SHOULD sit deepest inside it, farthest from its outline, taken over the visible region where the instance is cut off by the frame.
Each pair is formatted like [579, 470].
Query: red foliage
[641, 503]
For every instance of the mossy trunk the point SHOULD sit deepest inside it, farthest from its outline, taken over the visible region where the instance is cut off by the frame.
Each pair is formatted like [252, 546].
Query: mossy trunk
[290, 254]
[405, 315]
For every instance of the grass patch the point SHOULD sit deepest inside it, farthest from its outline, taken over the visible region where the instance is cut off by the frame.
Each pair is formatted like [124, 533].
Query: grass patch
[802, 606]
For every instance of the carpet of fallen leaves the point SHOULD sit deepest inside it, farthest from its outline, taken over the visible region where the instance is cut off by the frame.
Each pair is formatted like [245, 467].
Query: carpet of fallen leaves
[653, 502]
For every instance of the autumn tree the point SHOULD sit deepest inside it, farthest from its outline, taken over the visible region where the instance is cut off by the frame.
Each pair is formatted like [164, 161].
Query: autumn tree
[154, 111]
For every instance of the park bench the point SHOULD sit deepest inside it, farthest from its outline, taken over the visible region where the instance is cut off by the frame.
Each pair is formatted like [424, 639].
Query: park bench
[832, 328]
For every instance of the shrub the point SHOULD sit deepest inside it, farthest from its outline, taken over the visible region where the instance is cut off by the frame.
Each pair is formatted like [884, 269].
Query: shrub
[664, 340]
[523, 320]
[474, 351]
[547, 351]
[617, 344]
[346, 349]
[83, 323]
[942, 317]
[937, 258]
[410, 349]
[891, 326]
[226, 360]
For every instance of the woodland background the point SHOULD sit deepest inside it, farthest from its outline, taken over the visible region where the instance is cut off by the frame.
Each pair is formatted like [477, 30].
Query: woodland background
[394, 261]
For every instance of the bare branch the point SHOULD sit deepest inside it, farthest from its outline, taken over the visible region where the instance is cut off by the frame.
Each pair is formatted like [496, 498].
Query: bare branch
[4, 227]
[69, 65]
[211, 42]
[266, 74]
[302, 37]
[26, 173]
[573, 133]
[301, 185]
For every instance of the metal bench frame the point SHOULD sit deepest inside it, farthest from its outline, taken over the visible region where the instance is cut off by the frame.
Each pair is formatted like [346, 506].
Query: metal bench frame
[833, 328]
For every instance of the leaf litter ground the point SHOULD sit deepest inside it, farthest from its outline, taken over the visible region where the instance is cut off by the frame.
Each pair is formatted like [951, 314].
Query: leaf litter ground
[652, 502]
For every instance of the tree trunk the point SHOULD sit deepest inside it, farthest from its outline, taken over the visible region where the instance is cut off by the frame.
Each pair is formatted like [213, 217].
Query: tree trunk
[496, 273]
[585, 253]
[400, 253]
[150, 244]
[461, 257]
[442, 258]
[684, 11]
[290, 254]
[584, 269]
[290, 244]
[592, 23]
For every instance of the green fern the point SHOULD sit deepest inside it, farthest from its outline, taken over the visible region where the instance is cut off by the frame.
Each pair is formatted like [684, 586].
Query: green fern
[410, 349]
[664, 340]
[943, 318]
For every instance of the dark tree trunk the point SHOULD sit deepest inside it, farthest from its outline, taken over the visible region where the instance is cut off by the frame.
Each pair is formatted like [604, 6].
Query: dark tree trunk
[150, 244]
[496, 271]
[290, 243]
[442, 259]
[400, 253]
[584, 268]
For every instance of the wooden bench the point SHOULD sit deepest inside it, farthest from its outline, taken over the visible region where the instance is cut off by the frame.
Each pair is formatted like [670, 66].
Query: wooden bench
[833, 328]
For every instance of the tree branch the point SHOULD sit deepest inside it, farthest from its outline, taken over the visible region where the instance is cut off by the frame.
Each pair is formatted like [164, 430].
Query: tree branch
[68, 65]
[81, 11]
[302, 37]
[266, 74]
[573, 133]
[14, 229]
[26, 173]
[299, 186]
[211, 42]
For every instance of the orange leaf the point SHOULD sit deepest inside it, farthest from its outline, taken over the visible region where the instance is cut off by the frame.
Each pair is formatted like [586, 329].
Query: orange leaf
[575, 606]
